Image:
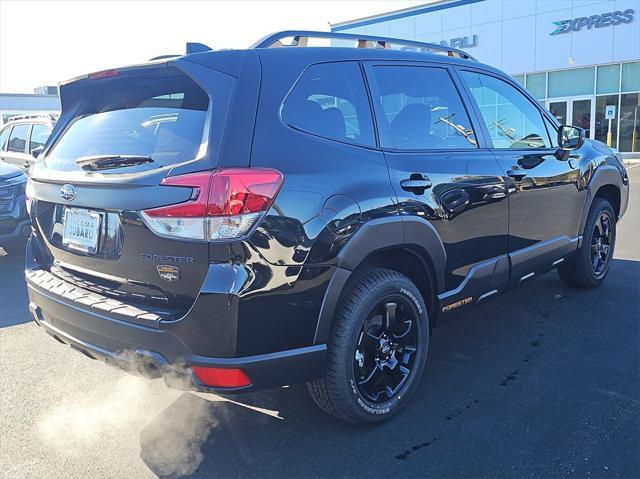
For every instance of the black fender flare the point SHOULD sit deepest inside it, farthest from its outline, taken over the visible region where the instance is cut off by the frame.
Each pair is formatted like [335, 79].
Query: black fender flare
[604, 175]
[376, 235]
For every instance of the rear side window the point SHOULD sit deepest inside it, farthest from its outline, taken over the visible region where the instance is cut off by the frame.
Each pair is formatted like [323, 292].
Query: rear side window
[422, 109]
[330, 101]
[18, 138]
[39, 135]
[512, 120]
[4, 137]
[146, 119]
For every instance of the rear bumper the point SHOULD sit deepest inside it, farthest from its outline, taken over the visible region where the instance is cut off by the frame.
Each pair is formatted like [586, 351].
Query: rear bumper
[154, 353]
[151, 351]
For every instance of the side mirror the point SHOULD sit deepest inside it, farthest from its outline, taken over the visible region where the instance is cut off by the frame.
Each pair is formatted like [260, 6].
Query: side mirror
[570, 137]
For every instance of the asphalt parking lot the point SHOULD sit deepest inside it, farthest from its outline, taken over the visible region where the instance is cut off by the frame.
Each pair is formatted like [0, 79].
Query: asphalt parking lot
[543, 381]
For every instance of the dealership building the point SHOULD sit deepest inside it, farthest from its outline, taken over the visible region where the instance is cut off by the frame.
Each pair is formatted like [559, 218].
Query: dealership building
[579, 58]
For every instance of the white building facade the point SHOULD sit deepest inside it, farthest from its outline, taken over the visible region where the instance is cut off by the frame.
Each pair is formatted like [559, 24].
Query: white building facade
[579, 58]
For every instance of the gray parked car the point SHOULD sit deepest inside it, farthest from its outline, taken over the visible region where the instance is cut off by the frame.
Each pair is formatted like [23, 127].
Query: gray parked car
[22, 139]
[15, 226]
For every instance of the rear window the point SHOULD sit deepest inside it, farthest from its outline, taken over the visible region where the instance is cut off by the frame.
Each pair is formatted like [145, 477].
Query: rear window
[330, 101]
[155, 117]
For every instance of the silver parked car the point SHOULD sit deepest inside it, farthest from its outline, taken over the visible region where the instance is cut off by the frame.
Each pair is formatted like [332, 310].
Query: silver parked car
[23, 138]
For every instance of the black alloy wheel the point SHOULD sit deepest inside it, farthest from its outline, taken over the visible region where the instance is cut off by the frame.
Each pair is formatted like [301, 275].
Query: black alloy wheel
[601, 244]
[589, 266]
[386, 348]
[377, 348]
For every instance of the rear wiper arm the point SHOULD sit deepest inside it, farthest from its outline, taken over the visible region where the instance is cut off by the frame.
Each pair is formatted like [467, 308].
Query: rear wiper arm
[108, 162]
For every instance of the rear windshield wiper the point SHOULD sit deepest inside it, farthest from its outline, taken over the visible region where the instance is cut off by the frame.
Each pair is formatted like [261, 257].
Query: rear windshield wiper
[109, 162]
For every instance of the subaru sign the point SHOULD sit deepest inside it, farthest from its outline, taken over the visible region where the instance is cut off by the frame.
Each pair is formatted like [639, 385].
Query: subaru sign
[597, 21]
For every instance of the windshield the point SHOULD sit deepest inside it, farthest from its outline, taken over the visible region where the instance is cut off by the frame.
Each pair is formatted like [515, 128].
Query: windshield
[156, 123]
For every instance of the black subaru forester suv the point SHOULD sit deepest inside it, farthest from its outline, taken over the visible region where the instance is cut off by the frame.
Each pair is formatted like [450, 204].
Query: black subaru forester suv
[237, 220]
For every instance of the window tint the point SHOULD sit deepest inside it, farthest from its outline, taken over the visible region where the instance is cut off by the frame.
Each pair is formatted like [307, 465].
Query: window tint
[18, 138]
[4, 136]
[329, 100]
[422, 109]
[39, 135]
[512, 120]
[158, 115]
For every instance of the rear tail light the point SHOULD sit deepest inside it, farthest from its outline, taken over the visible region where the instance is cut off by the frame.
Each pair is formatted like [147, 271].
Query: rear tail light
[224, 204]
[221, 377]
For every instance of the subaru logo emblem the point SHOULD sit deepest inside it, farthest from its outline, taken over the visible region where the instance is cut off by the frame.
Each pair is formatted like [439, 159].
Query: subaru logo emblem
[68, 192]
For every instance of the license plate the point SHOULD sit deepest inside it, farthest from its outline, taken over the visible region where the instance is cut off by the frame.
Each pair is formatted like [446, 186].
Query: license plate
[81, 230]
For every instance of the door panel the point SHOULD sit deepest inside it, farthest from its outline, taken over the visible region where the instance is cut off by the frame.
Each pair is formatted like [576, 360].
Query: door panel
[440, 174]
[544, 203]
[545, 200]
[465, 204]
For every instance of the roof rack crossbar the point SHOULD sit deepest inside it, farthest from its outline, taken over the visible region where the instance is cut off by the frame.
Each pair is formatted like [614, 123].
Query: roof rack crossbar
[301, 37]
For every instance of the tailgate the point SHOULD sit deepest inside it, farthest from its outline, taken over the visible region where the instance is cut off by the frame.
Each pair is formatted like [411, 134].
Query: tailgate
[119, 135]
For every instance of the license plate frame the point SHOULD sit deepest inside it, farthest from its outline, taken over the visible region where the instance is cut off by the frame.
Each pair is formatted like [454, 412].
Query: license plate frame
[90, 222]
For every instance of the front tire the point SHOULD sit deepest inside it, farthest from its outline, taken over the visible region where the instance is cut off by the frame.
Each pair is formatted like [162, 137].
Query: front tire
[590, 265]
[376, 351]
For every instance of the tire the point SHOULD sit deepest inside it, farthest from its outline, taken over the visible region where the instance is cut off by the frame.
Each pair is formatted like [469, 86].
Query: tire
[16, 248]
[581, 270]
[360, 359]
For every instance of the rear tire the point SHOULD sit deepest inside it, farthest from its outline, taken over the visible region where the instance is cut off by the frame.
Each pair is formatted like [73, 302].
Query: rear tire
[376, 351]
[589, 266]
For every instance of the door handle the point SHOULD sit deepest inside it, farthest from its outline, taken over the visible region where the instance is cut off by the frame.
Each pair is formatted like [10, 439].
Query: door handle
[516, 173]
[417, 183]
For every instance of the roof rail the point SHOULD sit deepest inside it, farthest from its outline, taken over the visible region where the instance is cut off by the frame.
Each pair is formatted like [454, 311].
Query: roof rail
[50, 116]
[164, 57]
[301, 38]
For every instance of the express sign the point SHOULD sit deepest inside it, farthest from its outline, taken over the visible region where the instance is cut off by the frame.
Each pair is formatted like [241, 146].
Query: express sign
[598, 21]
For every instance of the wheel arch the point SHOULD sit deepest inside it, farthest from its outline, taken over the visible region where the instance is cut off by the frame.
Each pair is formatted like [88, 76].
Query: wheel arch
[407, 245]
[606, 183]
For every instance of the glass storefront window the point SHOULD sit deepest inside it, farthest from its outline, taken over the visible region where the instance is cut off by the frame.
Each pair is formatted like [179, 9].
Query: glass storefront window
[519, 79]
[630, 122]
[602, 125]
[536, 84]
[608, 80]
[578, 81]
[559, 111]
[631, 76]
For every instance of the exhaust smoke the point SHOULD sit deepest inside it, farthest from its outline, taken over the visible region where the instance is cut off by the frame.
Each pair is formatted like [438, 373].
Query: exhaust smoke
[129, 416]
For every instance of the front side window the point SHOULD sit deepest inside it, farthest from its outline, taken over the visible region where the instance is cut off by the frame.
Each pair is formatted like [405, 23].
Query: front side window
[421, 109]
[512, 120]
[330, 101]
[18, 138]
[39, 135]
